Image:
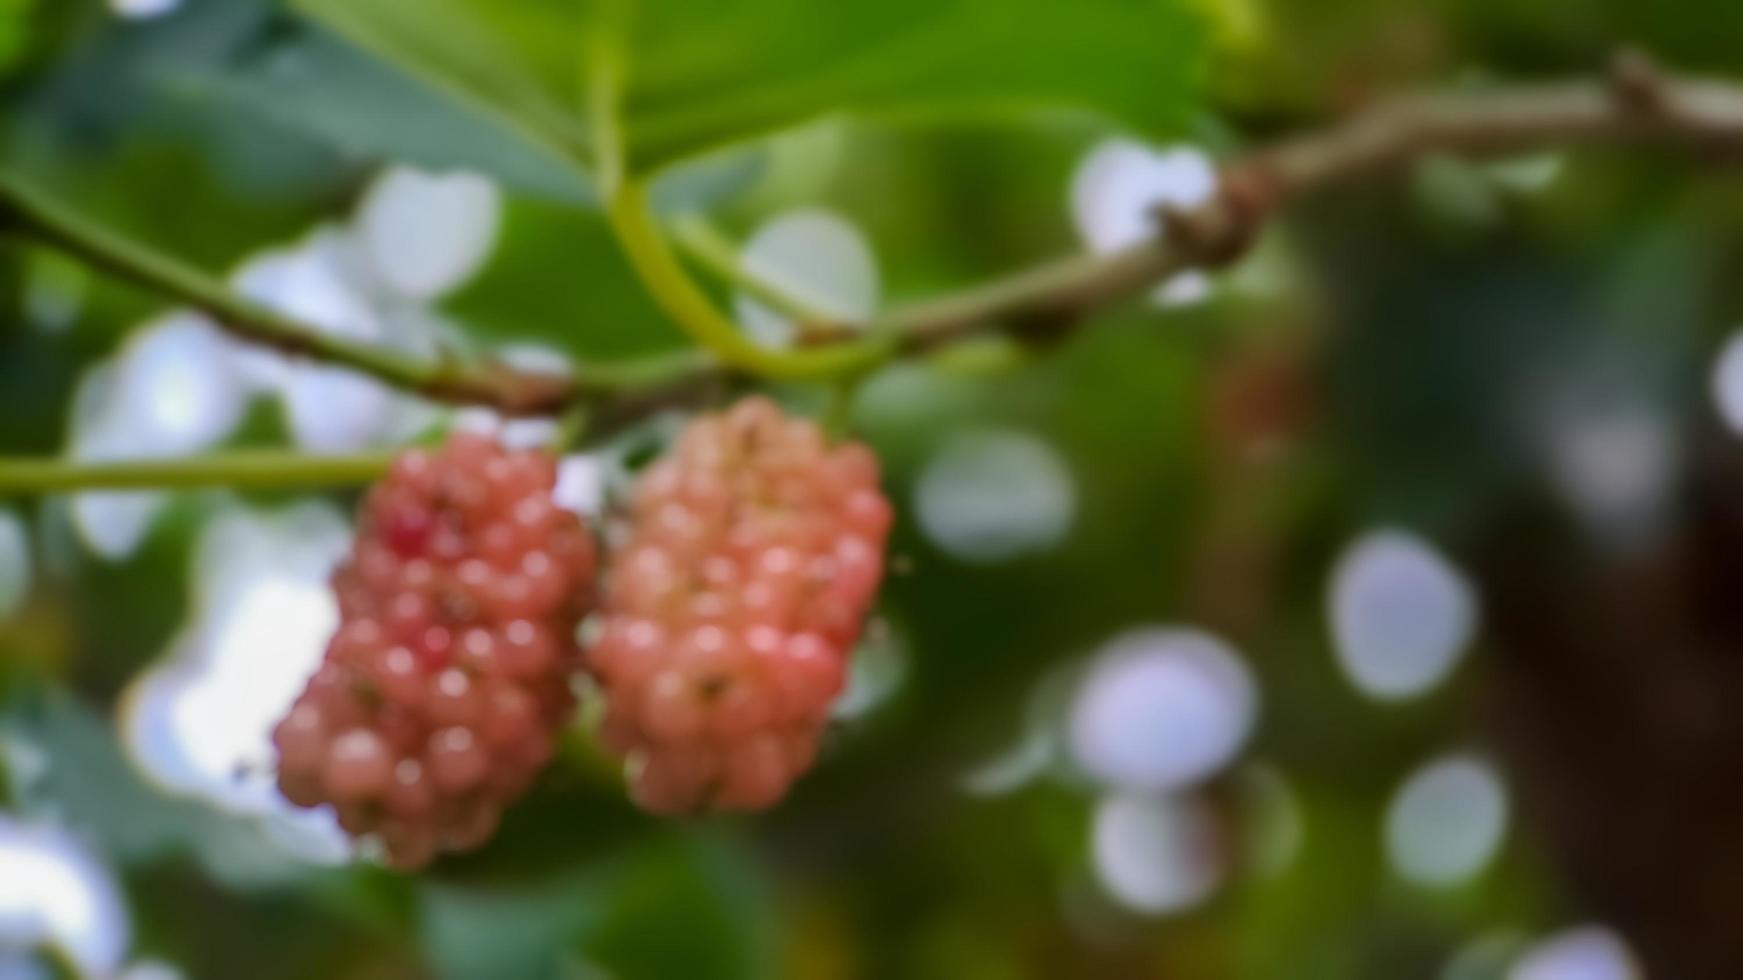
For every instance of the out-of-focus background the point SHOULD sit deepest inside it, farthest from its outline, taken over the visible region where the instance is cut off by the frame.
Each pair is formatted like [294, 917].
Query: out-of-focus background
[1373, 609]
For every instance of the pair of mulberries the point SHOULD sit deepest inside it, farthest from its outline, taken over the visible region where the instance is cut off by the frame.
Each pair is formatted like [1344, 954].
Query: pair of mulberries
[750, 556]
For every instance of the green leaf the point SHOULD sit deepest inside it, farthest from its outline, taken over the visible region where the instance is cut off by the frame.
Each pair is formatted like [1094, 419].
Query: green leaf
[703, 74]
[458, 46]
[508, 930]
[697, 887]
[681, 904]
[320, 87]
[364, 109]
[90, 785]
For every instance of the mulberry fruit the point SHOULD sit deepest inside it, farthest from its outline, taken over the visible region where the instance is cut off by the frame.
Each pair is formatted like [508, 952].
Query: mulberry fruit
[752, 553]
[443, 688]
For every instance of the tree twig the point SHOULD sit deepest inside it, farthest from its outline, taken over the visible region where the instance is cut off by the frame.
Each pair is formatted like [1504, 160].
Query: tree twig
[1635, 104]
[26, 210]
[247, 469]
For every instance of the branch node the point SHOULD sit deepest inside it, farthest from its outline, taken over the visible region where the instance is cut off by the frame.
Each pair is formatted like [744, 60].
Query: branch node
[1636, 83]
[1221, 230]
[1042, 329]
[1251, 192]
[531, 393]
[822, 333]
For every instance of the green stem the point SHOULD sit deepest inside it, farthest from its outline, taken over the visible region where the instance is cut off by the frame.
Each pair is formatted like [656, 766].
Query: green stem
[1637, 105]
[629, 378]
[249, 469]
[571, 429]
[681, 299]
[53, 224]
[657, 266]
[838, 414]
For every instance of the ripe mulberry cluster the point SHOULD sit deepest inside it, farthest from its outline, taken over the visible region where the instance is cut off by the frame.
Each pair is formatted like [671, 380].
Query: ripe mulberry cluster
[443, 687]
[752, 554]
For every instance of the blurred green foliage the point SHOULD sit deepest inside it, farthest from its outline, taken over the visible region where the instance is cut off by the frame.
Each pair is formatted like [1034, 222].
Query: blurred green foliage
[1425, 317]
[699, 75]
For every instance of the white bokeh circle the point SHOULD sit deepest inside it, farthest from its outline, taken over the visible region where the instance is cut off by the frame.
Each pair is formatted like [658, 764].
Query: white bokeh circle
[55, 891]
[1447, 821]
[875, 672]
[425, 234]
[200, 721]
[1401, 614]
[1118, 189]
[1727, 383]
[1156, 855]
[1582, 953]
[993, 494]
[1161, 709]
[330, 409]
[177, 386]
[1615, 463]
[815, 256]
[143, 9]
